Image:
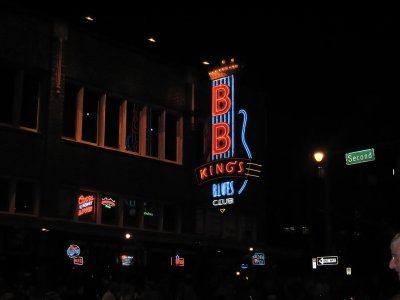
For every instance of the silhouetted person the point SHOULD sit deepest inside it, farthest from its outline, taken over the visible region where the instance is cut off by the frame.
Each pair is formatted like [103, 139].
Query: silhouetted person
[394, 262]
[112, 292]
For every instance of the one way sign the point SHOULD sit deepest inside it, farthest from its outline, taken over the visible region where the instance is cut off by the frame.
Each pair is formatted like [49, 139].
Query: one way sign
[327, 260]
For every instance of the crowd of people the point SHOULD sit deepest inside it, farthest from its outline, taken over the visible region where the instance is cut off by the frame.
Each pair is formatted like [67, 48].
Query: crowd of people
[214, 285]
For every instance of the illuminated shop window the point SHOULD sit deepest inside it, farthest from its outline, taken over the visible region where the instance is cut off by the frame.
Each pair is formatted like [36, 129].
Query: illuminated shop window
[86, 206]
[133, 212]
[20, 95]
[5, 184]
[89, 115]
[169, 217]
[109, 209]
[25, 196]
[133, 129]
[151, 216]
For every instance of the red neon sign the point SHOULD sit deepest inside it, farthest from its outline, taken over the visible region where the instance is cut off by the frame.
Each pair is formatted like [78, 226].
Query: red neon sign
[221, 104]
[232, 167]
[221, 141]
[78, 260]
[179, 261]
[85, 204]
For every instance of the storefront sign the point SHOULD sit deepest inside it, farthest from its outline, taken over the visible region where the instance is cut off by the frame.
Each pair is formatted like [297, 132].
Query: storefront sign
[85, 204]
[230, 165]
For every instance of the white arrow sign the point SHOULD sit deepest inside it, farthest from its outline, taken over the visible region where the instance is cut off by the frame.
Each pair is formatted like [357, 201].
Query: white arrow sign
[327, 260]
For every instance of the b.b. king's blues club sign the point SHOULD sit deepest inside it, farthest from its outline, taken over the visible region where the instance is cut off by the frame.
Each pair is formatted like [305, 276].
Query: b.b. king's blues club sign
[230, 164]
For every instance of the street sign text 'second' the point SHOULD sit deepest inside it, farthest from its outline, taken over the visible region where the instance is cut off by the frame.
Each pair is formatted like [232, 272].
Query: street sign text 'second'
[360, 156]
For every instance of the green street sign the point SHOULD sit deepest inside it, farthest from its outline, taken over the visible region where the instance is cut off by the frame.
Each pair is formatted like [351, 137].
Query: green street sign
[359, 157]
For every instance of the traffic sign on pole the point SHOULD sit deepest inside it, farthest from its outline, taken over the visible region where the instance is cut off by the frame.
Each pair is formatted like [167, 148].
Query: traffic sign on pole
[327, 260]
[358, 157]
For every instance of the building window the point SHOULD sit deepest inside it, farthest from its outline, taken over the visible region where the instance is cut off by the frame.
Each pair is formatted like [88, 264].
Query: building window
[30, 101]
[66, 204]
[86, 206]
[212, 224]
[20, 97]
[89, 116]
[25, 195]
[133, 212]
[111, 122]
[7, 88]
[229, 227]
[70, 110]
[152, 138]
[132, 127]
[19, 196]
[5, 184]
[171, 136]
[188, 219]
[169, 217]
[109, 209]
[151, 215]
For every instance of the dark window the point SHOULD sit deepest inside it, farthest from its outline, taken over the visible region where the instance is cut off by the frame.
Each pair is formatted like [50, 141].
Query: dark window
[152, 132]
[7, 88]
[212, 224]
[109, 209]
[229, 227]
[69, 112]
[112, 122]
[89, 116]
[133, 126]
[4, 193]
[169, 218]
[67, 203]
[188, 219]
[133, 211]
[170, 137]
[24, 196]
[30, 101]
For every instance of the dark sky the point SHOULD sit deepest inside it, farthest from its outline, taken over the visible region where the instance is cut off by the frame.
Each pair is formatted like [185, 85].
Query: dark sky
[326, 73]
[330, 75]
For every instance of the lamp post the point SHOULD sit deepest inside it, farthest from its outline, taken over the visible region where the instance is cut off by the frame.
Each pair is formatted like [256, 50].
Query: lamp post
[324, 176]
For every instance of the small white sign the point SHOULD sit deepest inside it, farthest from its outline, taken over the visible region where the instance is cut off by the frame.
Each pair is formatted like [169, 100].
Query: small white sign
[327, 260]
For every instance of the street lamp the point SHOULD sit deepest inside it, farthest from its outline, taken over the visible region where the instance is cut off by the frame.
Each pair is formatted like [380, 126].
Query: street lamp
[323, 174]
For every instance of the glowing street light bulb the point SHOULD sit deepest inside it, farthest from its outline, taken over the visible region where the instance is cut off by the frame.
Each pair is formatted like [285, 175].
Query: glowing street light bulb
[318, 156]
